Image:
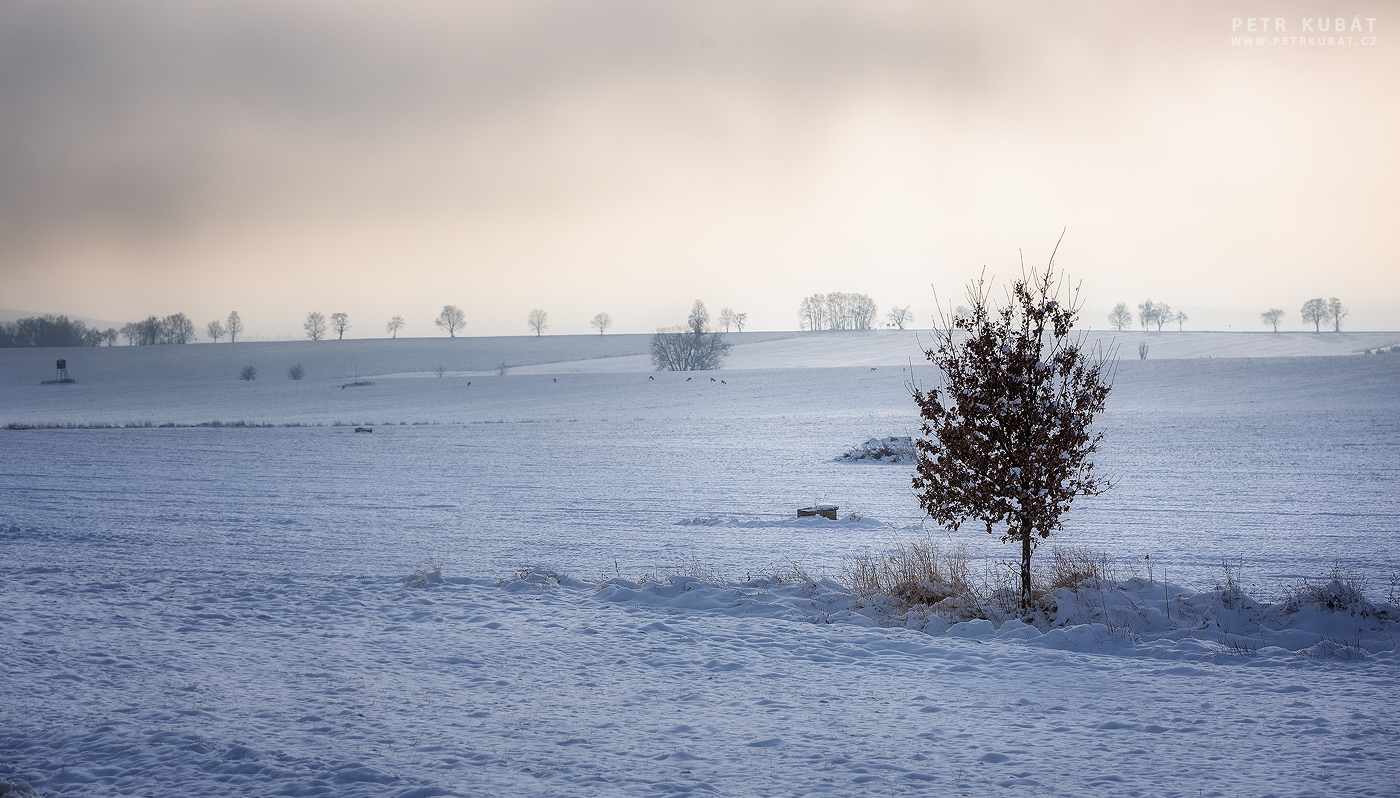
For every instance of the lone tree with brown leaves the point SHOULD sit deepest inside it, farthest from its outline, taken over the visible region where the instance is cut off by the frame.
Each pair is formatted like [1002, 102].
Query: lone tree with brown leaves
[1007, 440]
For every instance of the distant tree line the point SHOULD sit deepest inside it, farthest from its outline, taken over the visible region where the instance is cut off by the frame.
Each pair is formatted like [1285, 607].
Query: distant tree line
[232, 327]
[174, 329]
[50, 330]
[837, 311]
[1316, 312]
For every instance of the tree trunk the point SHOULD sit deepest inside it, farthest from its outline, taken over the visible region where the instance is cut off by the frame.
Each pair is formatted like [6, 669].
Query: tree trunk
[1025, 568]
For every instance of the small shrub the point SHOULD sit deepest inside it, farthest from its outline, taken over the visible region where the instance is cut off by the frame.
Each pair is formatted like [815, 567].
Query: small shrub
[502, 369]
[1230, 592]
[296, 372]
[248, 374]
[440, 370]
[1334, 592]
[428, 573]
[539, 577]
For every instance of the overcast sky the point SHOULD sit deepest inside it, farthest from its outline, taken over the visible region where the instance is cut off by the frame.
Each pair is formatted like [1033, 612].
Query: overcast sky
[631, 156]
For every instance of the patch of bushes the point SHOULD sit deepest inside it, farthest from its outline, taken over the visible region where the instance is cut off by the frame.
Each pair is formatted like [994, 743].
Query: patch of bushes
[919, 574]
[1335, 592]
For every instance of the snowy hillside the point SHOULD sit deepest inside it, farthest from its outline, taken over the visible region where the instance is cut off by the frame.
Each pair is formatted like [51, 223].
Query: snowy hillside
[583, 577]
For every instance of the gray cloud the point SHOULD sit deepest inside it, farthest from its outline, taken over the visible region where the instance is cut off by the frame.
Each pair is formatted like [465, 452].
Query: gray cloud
[146, 119]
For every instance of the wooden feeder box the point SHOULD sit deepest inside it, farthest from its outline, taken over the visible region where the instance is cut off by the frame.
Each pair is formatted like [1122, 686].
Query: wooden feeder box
[823, 510]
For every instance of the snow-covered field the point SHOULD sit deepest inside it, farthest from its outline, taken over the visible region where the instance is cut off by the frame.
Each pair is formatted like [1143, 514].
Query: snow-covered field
[209, 610]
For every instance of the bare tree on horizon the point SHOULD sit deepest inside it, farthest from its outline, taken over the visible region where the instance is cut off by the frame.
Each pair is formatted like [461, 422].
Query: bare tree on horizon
[215, 330]
[1272, 317]
[1121, 318]
[1336, 313]
[601, 322]
[451, 319]
[726, 318]
[234, 325]
[395, 324]
[1315, 311]
[340, 322]
[1158, 313]
[315, 326]
[900, 316]
[538, 321]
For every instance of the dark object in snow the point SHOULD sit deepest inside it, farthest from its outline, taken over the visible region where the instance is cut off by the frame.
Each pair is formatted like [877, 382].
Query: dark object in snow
[556, 379]
[653, 379]
[62, 373]
[364, 429]
[357, 384]
[823, 510]
[890, 449]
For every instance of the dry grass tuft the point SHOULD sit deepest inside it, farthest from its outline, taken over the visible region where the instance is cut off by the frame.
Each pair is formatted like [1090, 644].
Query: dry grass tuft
[919, 576]
[539, 577]
[912, 573]
[1076, 569]
[428, 573]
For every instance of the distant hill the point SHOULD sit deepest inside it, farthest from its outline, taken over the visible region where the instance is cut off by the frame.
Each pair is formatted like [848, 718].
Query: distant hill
[10, 314]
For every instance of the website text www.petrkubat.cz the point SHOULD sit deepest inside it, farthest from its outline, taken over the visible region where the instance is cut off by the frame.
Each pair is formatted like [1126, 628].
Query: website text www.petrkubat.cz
[1304, 41]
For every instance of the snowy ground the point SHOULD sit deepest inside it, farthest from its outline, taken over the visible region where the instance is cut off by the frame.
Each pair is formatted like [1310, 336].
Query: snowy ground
[181, 683]
[216, 610]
